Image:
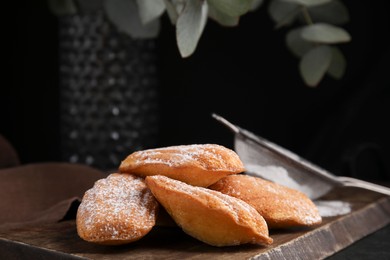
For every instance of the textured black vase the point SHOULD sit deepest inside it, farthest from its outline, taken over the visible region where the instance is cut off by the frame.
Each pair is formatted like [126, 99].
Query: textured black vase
[108, 91]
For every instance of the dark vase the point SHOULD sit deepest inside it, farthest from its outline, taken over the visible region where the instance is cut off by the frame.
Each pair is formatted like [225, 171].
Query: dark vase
[108, 91]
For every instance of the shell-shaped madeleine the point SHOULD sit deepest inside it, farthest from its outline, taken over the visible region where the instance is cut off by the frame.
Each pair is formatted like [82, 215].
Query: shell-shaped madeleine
[118, 209]
[209, 216]
[280, 206]
[197, 164]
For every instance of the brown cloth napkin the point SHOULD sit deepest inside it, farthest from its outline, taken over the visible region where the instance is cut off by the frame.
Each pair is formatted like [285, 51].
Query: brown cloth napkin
[8, 155]
[39, 193]
[42, 193]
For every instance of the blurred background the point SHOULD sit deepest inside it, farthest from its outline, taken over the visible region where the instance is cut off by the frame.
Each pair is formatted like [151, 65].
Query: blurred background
[245, 74]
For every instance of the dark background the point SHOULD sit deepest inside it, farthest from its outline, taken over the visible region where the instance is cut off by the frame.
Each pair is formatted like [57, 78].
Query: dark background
[245, 74]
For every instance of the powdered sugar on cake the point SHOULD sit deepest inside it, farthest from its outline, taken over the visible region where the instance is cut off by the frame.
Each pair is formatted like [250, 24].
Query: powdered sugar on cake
[176, 156]
[118, 207]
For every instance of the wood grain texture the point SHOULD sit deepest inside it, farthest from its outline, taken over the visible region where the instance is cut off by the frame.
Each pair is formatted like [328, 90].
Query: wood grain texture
[370, 212]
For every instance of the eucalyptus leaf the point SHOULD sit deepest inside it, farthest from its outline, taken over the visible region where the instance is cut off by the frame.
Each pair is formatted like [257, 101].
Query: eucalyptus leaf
[256, 4]
[62, 7]
[334, 12]
[171, 11]
[283, 13]
[222, 18]
[296, 44]
[174, 8]
[231, 8]
[150, 10]
[338, 65]
[190, 25]
[325, 33]
[308, 2]
[124, 14]
[314, 64]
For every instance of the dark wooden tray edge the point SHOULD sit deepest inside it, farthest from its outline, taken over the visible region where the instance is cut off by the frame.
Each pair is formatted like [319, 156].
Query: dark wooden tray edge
[342, 232]
[18, 250]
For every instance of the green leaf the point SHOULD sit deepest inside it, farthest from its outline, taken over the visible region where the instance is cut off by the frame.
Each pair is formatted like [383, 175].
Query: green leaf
[232, 8]
[283, 13]
[338, 65]
[190, 25]
[62, 7]
[124, 14]
[256, 4]
[174, 8]
[314, 64]
[297, 45]
[171, 11]
[308, 2]
[325, 33]
[222, 18]
[150, 10]
[333, 12]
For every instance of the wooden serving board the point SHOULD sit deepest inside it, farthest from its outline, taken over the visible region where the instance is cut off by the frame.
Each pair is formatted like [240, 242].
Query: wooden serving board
[370, 212]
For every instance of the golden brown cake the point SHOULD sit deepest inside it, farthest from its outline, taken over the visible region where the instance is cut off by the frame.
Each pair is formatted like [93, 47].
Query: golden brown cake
[280, 206]
[199, 165]
[118, 209]
[210, 216]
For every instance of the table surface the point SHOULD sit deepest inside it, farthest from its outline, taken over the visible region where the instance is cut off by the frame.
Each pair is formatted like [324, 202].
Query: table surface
[373, 246]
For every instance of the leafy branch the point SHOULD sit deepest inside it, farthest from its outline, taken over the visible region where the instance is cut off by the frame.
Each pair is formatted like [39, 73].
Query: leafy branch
[314, 40]
[315, 25]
